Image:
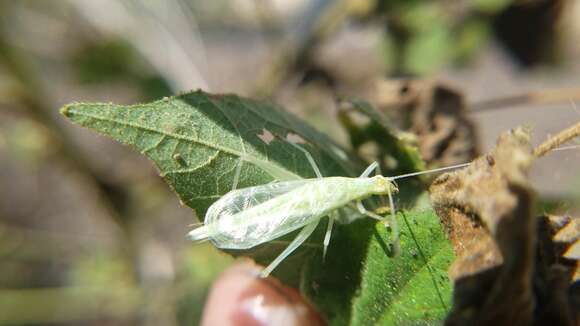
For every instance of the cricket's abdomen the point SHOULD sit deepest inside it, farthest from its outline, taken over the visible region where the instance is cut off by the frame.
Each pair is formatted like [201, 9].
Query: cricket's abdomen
[248, 217]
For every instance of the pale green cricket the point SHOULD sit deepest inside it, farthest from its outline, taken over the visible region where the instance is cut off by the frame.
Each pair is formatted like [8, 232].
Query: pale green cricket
[247, 217]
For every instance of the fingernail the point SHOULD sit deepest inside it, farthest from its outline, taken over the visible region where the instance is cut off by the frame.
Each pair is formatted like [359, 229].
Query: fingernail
[268, 302]
[240, 297]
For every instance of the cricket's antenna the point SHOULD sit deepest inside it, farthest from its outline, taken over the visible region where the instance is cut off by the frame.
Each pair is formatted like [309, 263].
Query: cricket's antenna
[401, 176]
[564, 148]
[574, 107]
[457, 166]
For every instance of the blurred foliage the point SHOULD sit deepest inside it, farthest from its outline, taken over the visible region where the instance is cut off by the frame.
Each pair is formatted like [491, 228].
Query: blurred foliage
[105, 61]
[397, 150]
[114, 60]
[202, 264]
[446, 33]
[25, 141]
[425, 36]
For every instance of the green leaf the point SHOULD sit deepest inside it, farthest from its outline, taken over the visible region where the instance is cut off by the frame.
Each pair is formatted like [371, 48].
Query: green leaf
[429, 49]
[393, 144]
[414, 286]
[196, 140]
[490, 6]
[361, 283]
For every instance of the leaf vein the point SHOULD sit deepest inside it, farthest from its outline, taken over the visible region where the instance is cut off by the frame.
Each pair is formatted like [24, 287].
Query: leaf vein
[162, 132]
[154, 146]
[191, 170]
[234, 125]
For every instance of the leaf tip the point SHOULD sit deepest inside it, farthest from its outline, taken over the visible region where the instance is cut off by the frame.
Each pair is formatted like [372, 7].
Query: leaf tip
[66, 110]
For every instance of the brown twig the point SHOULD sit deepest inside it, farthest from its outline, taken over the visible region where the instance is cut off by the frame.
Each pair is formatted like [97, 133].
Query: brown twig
[548, 96]
[554, 142]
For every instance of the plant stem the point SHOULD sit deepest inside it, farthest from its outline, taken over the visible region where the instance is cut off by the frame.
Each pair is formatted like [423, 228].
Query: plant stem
[548, 96]
[554, 142]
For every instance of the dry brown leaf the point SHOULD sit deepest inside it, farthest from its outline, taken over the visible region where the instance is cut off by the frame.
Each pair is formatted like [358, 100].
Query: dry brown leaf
[436, 113]
[511, 268]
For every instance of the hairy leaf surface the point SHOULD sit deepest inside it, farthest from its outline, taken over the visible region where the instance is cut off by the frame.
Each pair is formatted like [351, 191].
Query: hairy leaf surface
[197, 139]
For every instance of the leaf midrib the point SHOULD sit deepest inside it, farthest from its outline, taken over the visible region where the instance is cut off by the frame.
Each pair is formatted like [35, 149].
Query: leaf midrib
[70, 109]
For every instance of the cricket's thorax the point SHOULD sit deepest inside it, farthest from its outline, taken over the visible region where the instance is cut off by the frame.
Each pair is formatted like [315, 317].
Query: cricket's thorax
[247, 217]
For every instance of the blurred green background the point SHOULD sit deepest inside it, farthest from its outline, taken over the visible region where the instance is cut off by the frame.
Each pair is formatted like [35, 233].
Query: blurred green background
[90, 235]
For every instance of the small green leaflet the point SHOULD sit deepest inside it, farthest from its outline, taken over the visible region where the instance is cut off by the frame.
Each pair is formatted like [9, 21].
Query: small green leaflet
[196, 140]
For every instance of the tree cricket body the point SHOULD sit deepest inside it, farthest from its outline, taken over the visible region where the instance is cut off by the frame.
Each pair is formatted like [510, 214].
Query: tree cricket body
[247, 217]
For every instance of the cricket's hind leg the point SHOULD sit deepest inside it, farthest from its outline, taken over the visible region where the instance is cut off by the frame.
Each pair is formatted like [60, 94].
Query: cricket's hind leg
[237, 174]
[309, 158]
[300, 238]
[374, 166]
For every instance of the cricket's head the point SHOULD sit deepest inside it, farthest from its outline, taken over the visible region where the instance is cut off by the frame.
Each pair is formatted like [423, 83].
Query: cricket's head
[383, 185]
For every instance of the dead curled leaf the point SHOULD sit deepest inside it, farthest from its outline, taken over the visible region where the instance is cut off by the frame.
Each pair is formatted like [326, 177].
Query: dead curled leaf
[511, 267]
[436, 113]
